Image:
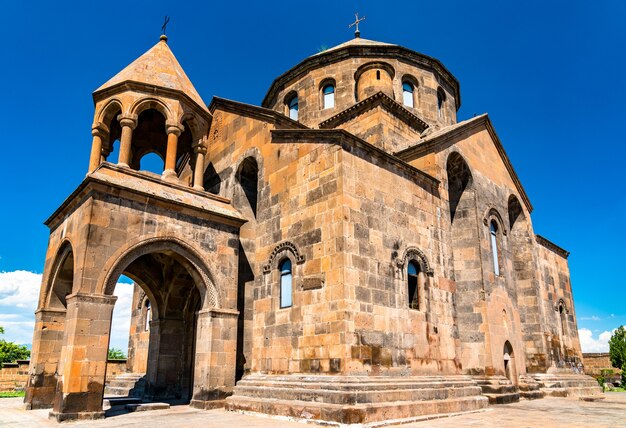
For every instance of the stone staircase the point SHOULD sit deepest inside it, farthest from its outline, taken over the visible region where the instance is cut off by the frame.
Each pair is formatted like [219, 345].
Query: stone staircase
[126, 385]
[567, 384]
[357, 399]
[529, 388]
[498, 389]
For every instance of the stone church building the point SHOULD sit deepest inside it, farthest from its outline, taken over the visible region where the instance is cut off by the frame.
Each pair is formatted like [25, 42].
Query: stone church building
[347, 252]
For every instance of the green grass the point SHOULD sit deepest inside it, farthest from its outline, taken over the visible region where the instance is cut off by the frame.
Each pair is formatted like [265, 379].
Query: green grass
[9, 394]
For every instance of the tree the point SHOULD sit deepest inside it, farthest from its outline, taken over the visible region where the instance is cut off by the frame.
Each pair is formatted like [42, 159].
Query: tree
[617, 348]
[116, 354]
[11, 352]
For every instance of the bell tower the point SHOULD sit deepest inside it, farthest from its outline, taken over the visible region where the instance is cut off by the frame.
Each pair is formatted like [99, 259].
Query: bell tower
[151, 106]
[167, 234]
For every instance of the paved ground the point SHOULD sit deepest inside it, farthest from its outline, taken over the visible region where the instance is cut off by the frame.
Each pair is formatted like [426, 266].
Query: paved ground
[546, 413]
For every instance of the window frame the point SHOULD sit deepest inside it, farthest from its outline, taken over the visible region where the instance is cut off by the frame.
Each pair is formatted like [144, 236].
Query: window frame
[413, 302]
[494, 237]
[330, 96]
[408, 94]
[282, 275]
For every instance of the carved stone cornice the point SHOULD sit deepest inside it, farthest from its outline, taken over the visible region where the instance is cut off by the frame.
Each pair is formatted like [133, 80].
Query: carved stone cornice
[551, 246]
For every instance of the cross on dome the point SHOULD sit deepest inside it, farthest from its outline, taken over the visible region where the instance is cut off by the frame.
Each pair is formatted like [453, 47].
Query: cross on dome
[357, 33]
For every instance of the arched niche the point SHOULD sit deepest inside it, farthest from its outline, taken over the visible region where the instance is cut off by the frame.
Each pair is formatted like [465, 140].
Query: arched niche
[459, 182]
[372, 78]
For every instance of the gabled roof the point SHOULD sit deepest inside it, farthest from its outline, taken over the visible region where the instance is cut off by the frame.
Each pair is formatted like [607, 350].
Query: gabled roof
[157, 67]
[437, 140]
[378, 99]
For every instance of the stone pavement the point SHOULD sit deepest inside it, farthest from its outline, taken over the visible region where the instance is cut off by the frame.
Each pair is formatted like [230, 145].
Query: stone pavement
[548, 412]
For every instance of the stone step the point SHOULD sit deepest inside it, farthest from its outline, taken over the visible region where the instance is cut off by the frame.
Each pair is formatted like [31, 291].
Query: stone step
[572, 391]
[347, 397]
[349, 384]
[532, 395]
[144, 407]
[499, 389]
[120, 383]
[506, 398]
[564, 385]
[116, 391]
[121, 401]
[398, 411]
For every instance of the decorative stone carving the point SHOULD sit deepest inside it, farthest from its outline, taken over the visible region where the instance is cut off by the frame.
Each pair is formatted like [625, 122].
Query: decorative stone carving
[286, 246]
[414, 253]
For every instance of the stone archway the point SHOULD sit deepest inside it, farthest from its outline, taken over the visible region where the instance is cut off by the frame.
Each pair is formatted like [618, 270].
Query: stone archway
[179, 287]
[191, 355]
[49, 329]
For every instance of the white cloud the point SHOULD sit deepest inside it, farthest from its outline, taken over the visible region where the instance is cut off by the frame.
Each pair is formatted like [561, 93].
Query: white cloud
[20, 288]
[591, 318]
[590, 344]
[121, 317]
[19, 295]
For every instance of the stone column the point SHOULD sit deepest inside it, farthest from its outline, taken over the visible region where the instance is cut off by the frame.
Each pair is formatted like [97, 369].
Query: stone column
[198, 170]
[173, 132]
[127, 123]
[215, 360]
[45, 353]
[99, 132]
[82, 366]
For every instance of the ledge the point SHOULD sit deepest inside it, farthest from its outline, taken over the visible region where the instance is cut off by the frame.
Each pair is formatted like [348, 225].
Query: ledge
[152, 187]
[552, 246]
[256, 112]
[348, 141]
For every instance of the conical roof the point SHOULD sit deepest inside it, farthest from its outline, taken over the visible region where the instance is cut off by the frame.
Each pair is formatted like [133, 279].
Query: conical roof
[157, 67]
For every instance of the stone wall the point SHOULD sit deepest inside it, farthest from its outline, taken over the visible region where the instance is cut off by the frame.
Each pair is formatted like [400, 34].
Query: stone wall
[13, 376]
[559, 326]
[595, 362]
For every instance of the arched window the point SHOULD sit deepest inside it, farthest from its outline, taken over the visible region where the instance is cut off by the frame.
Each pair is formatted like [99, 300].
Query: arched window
[407, 94]
[148, 315]
[293, 107]
[377, 74]
[412, 284]
[441, 100]
[286, 287]
[329, 96]
[493, 229]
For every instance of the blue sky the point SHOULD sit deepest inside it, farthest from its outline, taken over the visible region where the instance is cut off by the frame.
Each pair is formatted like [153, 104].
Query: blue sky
[551, 75]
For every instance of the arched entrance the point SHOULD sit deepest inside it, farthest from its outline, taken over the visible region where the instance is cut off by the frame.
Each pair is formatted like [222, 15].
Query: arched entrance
[509, 362]
[192, 340]
[175, 289]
